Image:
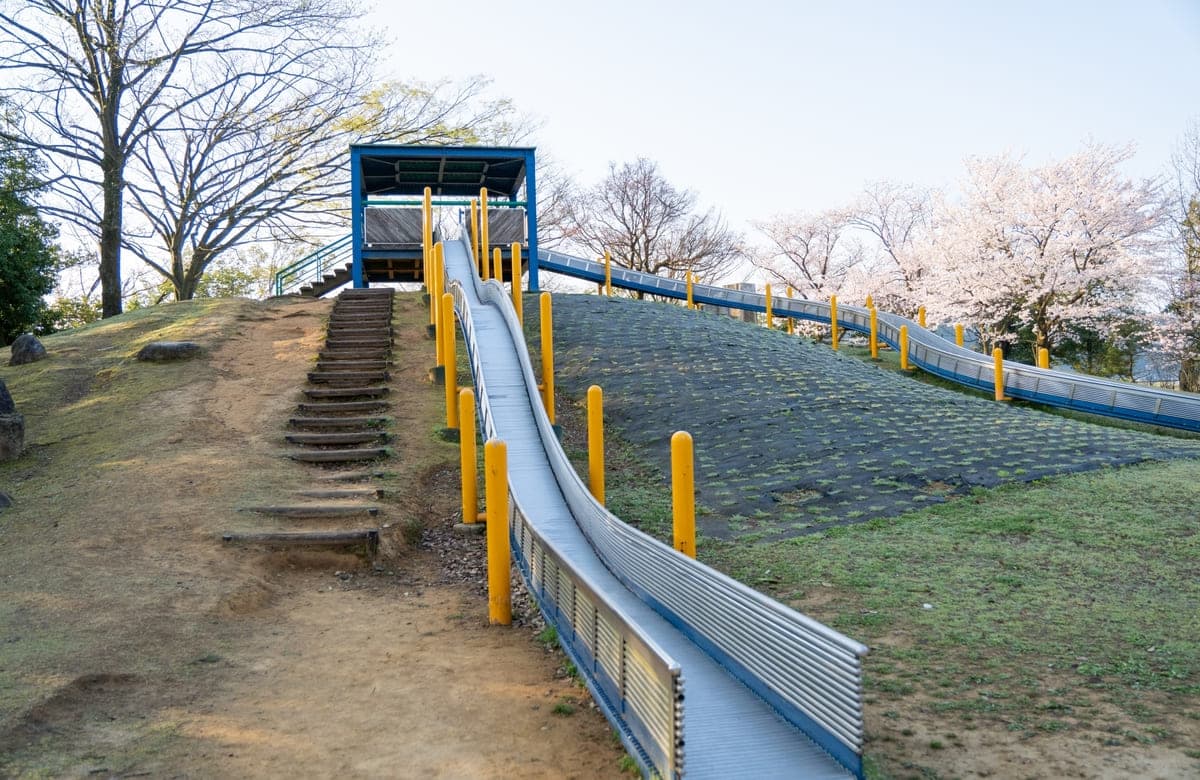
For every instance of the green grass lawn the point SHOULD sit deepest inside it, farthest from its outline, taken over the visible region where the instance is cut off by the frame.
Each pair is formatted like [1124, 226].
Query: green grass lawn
[1065, 608]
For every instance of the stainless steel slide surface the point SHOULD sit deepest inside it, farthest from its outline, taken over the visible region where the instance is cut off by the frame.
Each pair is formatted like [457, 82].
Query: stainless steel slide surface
[926, 349]
[671, 664]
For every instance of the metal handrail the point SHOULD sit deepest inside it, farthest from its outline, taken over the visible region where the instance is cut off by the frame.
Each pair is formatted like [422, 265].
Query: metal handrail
[313, 265]
[928, 350]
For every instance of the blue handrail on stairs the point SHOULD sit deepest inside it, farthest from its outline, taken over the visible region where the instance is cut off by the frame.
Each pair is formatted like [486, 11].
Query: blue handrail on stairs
[312, 267]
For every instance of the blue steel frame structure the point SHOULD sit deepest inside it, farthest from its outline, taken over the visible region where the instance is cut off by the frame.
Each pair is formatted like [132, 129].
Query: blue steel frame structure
[518, 162]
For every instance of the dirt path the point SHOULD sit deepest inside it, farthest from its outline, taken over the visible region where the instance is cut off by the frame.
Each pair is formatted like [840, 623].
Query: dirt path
[385, 676]
[136, 644]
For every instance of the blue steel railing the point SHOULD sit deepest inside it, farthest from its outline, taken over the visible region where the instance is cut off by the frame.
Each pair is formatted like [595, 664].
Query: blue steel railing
[928, 350]
[312, 267]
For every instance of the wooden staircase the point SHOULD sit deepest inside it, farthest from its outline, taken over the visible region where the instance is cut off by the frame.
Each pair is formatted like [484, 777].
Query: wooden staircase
[340, 429]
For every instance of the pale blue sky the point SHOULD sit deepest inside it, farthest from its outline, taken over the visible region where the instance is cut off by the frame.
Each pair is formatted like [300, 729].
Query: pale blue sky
[764, 106]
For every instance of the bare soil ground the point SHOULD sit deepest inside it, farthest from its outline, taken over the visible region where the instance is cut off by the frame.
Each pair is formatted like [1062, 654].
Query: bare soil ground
[134, 643]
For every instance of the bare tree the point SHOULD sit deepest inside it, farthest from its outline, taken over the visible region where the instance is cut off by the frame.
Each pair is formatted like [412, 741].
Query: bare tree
[267, 156]
[557, 193]
[649, 225]
[98, 79]
[807, 252]
[897, 217]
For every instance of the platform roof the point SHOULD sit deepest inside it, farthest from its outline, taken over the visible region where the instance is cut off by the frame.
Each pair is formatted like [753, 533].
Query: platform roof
[456, 171]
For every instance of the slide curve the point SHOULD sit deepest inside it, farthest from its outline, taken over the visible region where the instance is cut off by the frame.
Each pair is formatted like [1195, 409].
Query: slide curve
[696, 671]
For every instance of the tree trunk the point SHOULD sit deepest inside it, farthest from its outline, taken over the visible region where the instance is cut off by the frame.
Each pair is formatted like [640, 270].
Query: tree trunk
[112, 172]
[1189, 375]
[110, 239]
[191, 275]
[187, 290]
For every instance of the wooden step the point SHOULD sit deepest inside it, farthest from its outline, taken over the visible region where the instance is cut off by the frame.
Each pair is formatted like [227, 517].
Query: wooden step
[370, 326]
[345, 329]
[376, 353]
[334, 439]
[360, 309]
[355, 475]
[334, 342]
[342, 377]
[382, 347]
[304, 511]
[369, 334]
[350, 316]
[340, 456]
[378, 339]
[360, 313]
[353, 365]
[346, 392]
[336, 493]
[370, 293]
[361, 537]
[342, 406]
[321, 423]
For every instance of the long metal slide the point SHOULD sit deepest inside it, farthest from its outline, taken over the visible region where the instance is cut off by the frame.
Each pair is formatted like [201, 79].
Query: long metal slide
[926, 349]
[700, 675]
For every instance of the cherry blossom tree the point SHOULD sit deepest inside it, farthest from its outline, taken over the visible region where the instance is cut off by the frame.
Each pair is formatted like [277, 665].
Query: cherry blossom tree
[868, 248]
[895, 218]
[1178, 327]
[1050, 248]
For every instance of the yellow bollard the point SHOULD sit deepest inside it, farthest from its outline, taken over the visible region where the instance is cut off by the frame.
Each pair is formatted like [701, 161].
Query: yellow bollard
[466, 452]
[595, 425]
[768, 297]
[497, 265]
[998, 381]
[426, 235]
[870, 304]
[431, 280]
[449, 354]
[607, 273]
[435, 302]
[691, 303]
[791, 323]
[921, 316]
[474, 229]
[1043, 357]
[547, 326]
[495, 467]
[833, 326]
[903, 347]
[683, 493]
[958, 335]
[484, 244]
[874, 333]
[516, 282]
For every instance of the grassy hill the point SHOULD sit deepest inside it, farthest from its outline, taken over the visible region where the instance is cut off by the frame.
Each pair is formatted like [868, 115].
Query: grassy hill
[1027, 582]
